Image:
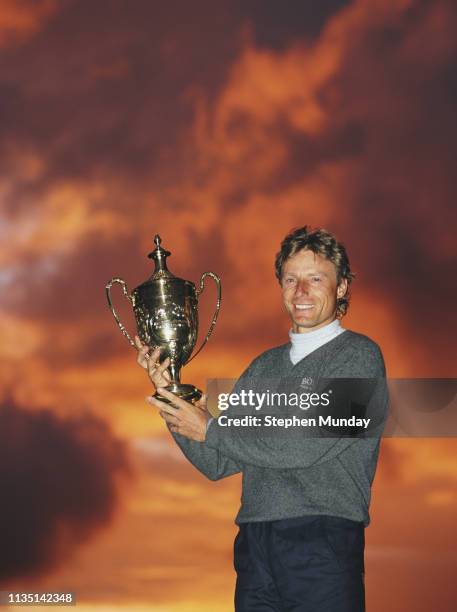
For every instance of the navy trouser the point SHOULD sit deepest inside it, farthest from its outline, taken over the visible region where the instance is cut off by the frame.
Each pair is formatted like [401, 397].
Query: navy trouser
[306, 564]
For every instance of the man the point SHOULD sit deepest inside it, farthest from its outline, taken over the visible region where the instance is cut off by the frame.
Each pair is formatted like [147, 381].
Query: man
[304, 505]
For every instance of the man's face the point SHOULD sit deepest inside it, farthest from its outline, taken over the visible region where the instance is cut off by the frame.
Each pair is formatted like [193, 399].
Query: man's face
[310, 291]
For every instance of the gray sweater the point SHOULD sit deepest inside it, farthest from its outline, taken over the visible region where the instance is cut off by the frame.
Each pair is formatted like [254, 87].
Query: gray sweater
[328, 475]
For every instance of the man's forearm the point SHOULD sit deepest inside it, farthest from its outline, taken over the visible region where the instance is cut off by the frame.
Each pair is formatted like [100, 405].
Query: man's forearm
[211, 462]
[273, 453]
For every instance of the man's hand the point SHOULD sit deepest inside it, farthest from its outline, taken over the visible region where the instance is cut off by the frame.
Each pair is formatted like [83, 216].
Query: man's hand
[158, 373]
[189, 420]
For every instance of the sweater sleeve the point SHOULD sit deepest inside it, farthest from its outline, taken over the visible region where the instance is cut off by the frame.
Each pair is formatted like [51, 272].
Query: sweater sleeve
[301, 451]
[209, 461]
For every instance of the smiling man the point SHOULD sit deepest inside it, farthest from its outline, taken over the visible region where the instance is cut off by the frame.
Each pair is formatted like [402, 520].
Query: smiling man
[310, 292]
[305, 501]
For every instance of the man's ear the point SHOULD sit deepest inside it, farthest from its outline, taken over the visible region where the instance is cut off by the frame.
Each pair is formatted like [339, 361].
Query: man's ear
[342, 288]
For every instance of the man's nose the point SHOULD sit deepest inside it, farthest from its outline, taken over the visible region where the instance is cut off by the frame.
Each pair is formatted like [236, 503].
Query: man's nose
[302, 287]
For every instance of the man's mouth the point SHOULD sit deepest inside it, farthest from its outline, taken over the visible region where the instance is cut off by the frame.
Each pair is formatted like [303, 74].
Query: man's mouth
[303, 306]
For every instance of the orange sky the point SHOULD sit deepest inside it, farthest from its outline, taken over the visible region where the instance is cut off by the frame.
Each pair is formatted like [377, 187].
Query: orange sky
[221, 130]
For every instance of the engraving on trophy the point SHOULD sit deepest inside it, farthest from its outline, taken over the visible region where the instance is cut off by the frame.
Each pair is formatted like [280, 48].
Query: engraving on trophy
[143, 324]
[166, 314]
[175, 317]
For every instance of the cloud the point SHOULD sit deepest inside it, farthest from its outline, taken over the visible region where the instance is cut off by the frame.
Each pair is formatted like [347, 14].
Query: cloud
[20, 19]
[325, 131]
[60, 483]
[371, 123]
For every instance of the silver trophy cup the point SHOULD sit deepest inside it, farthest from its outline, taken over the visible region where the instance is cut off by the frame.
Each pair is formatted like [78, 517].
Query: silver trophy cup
[166, 314]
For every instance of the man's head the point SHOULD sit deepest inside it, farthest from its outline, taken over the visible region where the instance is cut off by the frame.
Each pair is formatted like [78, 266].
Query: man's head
[314, 273]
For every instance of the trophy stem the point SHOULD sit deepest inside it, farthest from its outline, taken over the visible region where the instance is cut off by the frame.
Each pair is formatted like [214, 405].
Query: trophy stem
[189, 393]
[175, 372]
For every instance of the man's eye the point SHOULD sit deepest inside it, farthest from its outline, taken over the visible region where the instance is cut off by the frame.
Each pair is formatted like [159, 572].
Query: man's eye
[316, 278]
[289, 281]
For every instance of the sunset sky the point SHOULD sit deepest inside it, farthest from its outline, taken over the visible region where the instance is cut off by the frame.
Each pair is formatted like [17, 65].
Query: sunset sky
[220, 126]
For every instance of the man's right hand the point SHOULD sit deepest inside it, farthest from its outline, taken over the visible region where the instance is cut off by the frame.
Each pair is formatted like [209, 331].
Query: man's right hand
[158, 373]
[160, 377]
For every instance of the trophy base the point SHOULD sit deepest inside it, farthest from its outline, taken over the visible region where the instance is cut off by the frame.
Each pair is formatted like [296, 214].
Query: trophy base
[188, 393]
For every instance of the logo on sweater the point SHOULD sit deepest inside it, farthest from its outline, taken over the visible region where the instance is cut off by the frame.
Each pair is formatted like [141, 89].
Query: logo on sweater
[306, 382]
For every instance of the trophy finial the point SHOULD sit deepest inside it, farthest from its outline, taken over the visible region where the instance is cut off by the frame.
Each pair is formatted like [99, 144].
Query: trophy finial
[159, 255]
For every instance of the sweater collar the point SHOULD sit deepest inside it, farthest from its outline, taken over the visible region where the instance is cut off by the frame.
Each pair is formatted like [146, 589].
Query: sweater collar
[317, 336]
[320, 353]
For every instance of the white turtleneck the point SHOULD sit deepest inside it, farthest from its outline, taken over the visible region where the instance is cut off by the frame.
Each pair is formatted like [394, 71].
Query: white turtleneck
[306, 343]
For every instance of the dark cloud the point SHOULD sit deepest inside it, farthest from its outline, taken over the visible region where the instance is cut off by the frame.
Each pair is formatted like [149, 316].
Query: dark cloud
[59, 481]
[110, 88]
[114, 98]
[307, 153]
[69, 292]
[277, 26]
[106, 87]
[401, 219]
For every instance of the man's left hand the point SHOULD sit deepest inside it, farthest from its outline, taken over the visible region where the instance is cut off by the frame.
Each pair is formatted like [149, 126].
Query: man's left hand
[189, 420]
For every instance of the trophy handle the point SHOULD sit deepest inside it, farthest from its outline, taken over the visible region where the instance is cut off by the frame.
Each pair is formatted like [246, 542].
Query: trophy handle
[123, 284]
[198, 292]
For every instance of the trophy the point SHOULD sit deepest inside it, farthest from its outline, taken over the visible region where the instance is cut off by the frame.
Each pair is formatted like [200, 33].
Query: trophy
[166, 314]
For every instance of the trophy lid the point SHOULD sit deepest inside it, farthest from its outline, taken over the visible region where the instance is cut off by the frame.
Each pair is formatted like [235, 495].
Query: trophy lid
[159, 255]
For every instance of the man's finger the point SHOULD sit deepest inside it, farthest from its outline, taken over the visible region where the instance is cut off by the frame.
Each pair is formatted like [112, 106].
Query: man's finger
[151, 399]
[169, 418]
[156, 351]
[154, 356]
[138, 342]
[143, 350]
[141, 346]
[163, 366]
[153, 364]
[174, 399]
[142, 355]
